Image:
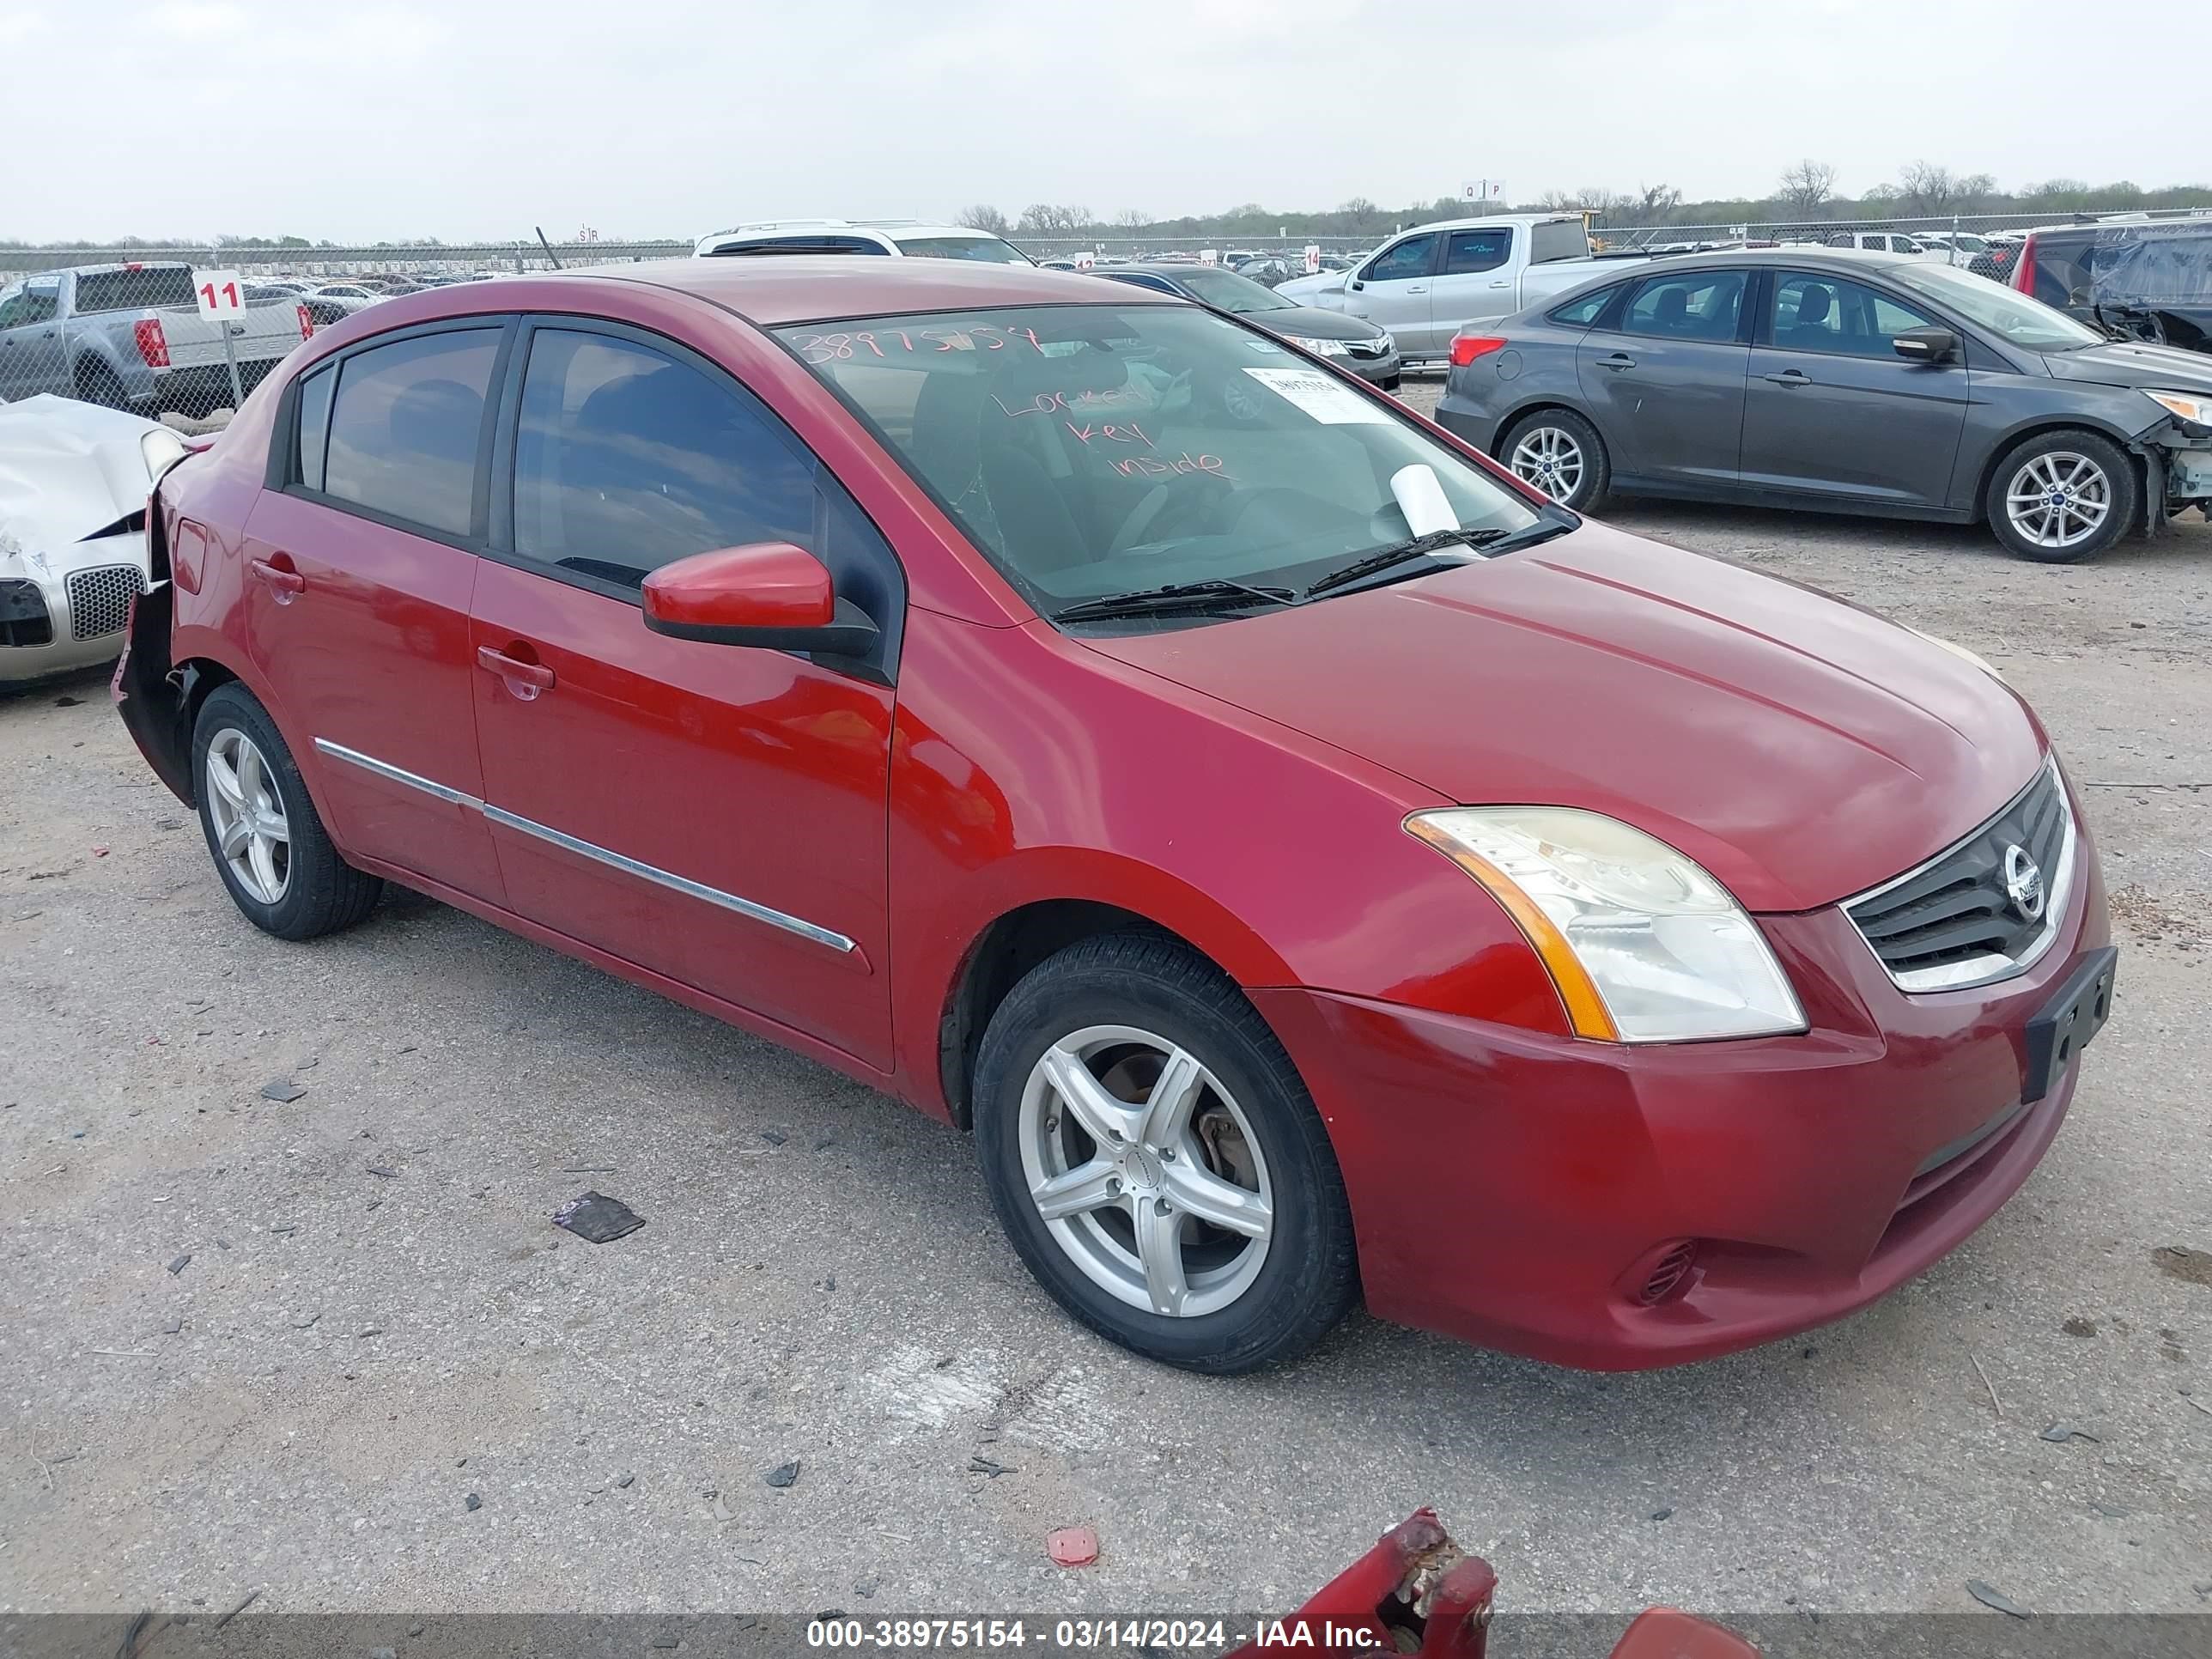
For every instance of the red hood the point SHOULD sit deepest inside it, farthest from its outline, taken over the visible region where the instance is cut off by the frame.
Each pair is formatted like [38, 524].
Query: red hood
[1799, 748]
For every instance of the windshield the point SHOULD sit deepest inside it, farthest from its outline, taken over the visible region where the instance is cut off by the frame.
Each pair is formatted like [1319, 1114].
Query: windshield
[1099, 449]
[989, 249]
[1227, 291]
[2005, 312]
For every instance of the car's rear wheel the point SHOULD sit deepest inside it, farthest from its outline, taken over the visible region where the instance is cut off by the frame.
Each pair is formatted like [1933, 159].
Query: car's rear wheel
[1158, 1163]
[1560, 453]
[268, 844]
[2062, 497]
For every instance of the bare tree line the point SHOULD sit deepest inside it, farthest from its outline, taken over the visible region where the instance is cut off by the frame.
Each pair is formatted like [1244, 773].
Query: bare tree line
[1806, 189]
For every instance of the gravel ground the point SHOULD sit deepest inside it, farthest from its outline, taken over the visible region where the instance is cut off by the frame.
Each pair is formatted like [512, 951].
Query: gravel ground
[329, 1348]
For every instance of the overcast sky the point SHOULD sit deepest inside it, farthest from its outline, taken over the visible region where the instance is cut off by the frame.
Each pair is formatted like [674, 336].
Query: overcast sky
[477, 119]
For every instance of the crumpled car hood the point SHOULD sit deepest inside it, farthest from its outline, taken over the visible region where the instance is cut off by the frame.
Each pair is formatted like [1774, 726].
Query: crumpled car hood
[69, 472]
[1801, 749]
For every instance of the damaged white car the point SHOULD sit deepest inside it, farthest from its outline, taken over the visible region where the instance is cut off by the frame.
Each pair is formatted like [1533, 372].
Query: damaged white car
[73, 479]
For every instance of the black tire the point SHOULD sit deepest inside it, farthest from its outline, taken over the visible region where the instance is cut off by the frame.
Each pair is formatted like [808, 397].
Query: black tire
[2124, 490]
[96, 383]
[1596, 477]
[1309, 1275]
[321, 892]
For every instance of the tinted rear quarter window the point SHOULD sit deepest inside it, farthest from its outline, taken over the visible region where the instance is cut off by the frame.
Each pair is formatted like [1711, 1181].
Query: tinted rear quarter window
[626, 459]
[1581, 314]
[314, 426]
[405, 425]
[134, 290]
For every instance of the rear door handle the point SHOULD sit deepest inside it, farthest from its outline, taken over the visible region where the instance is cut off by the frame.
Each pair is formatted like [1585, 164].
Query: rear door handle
[1419, 287]
[1619, 360]
[283, 583]
[1505, 284]
[524, 679]
[1791, 377]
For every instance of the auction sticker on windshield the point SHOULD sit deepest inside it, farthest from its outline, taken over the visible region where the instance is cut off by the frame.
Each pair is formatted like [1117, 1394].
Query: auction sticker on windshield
[1319, 396]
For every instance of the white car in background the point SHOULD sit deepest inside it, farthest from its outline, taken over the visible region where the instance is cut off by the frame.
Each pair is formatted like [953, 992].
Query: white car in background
[912, 239]
[73, 479]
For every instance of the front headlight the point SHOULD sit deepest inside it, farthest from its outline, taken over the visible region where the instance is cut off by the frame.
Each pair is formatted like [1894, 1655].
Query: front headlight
[1643, 945]
[1321, 348]
[2190, 405]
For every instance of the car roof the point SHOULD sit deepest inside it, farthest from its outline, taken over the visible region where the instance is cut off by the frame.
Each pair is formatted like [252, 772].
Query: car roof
[812, 288]
[1799, 256]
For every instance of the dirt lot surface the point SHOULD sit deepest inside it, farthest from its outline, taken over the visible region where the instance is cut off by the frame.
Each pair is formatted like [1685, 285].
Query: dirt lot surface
[286, 1346]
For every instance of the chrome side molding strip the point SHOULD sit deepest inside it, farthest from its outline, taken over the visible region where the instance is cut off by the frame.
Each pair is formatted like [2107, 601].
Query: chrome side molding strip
[598, 854]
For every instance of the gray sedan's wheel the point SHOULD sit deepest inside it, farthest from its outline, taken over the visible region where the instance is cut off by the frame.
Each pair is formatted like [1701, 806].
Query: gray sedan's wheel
[1559, 453]
[268, 844]
[2062, 497]
[1156, 1162]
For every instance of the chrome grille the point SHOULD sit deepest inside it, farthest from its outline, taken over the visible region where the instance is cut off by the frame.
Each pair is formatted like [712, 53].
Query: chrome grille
[1367, 348]
[99, 599]
[1970, 914]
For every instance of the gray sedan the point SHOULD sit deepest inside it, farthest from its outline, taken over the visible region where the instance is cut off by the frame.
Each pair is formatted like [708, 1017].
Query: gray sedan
[1844, 382]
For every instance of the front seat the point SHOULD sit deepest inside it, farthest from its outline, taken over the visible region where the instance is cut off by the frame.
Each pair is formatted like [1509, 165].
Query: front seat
[1816, 303]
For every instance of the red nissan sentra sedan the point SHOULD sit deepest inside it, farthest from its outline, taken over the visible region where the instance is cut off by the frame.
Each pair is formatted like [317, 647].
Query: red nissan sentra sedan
[1312, 864]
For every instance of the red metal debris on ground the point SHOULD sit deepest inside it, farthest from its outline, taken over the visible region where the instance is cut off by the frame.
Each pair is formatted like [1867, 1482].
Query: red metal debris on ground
[1074, 1546]
[1416, 1592]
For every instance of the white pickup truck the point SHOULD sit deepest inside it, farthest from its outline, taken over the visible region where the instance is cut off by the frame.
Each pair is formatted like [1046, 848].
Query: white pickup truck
[131, 337]
[1427, 283]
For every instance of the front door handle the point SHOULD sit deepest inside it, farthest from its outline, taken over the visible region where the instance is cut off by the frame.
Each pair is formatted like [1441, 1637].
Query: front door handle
[526, 680]
[1503, 282]
[286, 584]
[1418, 287]
[1619, 360]
[1791, 377]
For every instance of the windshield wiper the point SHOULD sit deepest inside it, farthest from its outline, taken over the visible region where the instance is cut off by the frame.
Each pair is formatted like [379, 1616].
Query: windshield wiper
[1398, 553]
[1212, 595]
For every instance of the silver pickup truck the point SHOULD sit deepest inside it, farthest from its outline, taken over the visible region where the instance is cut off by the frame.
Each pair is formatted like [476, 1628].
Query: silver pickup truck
[1427, 284]
[131, 337]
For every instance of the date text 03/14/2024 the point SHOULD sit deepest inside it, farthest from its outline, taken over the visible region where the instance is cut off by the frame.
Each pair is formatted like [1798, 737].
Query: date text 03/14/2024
[1200, 1635]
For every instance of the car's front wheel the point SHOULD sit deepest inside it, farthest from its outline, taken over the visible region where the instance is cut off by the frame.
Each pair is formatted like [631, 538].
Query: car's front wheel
[268, 845]
[2062, 497]
[1158, 1163]
[1560, 453]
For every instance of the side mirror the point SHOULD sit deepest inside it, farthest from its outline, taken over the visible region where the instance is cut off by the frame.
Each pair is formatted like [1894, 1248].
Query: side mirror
[770, 595]
[1355, 284]
[1926, 345]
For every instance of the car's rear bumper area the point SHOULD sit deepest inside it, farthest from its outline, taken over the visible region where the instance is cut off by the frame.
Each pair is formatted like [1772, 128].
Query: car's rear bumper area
[1621, 1208]
[1465, 425]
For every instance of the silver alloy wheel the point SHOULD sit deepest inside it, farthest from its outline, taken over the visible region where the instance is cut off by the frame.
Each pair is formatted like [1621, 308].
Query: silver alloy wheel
[1145, 1170]
[2059, 499]
[1549, 457]
[250, 827]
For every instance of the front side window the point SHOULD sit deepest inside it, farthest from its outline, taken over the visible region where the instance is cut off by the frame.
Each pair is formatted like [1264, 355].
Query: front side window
[1844, 319]
[626, 459]
[1412, 258]
[1696, 305]
[406, 423]
[1099, 449]
[1472, 251]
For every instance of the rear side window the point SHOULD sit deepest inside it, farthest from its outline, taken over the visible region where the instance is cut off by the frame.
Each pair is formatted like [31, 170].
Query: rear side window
[314, 426]
[1472, 251]
[1698, 305]
[2063, 271]
[134, 290]
[626, 459]
[405, 425]
[1562, 240]
[1581, 314]
[987, 249]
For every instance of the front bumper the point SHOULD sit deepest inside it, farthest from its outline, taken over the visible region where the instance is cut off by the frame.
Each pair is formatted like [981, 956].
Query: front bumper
[1385, 371]
[44, 631]
[1519, 1191]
